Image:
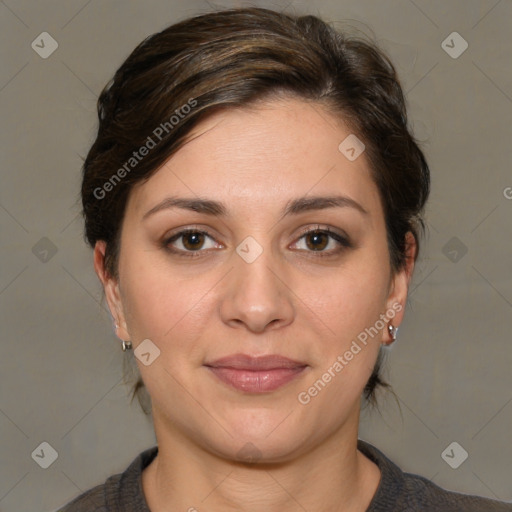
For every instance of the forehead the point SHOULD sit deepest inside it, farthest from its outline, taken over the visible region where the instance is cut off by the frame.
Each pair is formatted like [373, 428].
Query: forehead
[262, 155]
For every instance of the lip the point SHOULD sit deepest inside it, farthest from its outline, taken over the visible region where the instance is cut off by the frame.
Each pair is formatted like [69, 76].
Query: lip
[246, 362]
[256, 374]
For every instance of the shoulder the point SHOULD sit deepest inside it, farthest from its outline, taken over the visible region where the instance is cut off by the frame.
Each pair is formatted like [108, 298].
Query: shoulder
[425, 495]
[399, 491]
[92, 500]
[95, 499]
[122, 491]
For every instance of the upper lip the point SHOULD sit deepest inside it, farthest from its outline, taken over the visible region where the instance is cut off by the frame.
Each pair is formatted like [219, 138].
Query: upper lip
[246, 362]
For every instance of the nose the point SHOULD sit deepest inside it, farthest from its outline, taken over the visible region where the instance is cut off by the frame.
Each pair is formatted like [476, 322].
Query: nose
[257, 296]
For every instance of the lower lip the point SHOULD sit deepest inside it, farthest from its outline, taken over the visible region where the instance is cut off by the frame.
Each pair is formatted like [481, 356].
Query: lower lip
[256, 381]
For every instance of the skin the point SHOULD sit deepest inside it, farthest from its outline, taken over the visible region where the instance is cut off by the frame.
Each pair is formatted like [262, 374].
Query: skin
[289, 301]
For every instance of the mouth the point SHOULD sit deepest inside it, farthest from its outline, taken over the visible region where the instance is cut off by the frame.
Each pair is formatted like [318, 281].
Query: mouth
[256, 374]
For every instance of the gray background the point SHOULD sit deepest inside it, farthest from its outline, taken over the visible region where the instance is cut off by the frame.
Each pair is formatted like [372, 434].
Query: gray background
[61, 366]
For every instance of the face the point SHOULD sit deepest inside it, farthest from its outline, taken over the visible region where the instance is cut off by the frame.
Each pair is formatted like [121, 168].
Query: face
[264, 270]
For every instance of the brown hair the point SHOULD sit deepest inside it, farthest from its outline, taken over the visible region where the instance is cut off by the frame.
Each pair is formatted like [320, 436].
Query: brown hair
[233, 58]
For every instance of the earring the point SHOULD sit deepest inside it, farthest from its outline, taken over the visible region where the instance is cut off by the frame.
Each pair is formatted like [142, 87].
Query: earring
[393, 331]
[126, 345]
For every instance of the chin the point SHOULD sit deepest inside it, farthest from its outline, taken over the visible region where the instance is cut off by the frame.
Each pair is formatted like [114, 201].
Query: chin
[260, 435]
[257, 450]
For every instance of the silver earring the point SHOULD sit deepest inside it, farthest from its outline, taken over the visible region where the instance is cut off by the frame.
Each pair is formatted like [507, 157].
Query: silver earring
[393, 331]
[126, 345]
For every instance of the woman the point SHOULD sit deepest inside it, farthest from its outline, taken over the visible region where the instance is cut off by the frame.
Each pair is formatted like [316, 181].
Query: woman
[254, 199]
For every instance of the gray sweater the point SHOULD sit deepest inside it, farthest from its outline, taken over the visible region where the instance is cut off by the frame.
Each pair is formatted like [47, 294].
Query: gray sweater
[397, 491]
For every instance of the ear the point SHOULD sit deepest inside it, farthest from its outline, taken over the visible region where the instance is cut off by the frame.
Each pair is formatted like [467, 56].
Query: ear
[399, 287]
[111, 287]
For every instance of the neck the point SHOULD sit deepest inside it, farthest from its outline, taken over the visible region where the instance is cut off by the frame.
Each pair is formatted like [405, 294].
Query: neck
[333, 476]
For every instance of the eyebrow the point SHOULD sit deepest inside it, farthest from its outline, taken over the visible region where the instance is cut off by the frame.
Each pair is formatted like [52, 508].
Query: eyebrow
[294, 207]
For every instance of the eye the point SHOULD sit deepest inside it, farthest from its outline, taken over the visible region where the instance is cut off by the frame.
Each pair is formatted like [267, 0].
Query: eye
[191, 242]
[318, 240]
[188, 241]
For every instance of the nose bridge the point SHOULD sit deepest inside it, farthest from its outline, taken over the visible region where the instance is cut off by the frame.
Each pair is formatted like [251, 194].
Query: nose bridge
[256, 295]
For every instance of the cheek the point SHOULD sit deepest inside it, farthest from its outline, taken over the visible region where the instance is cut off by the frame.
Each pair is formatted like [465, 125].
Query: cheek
[350, 305]
[350, 299]
[162, 305]
[346, 355]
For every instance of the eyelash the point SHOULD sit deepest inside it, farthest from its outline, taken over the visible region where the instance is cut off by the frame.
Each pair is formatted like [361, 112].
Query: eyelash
[344, 243]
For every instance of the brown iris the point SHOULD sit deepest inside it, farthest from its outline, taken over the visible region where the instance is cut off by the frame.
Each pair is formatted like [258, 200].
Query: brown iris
[317, 237]
[196, 240]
